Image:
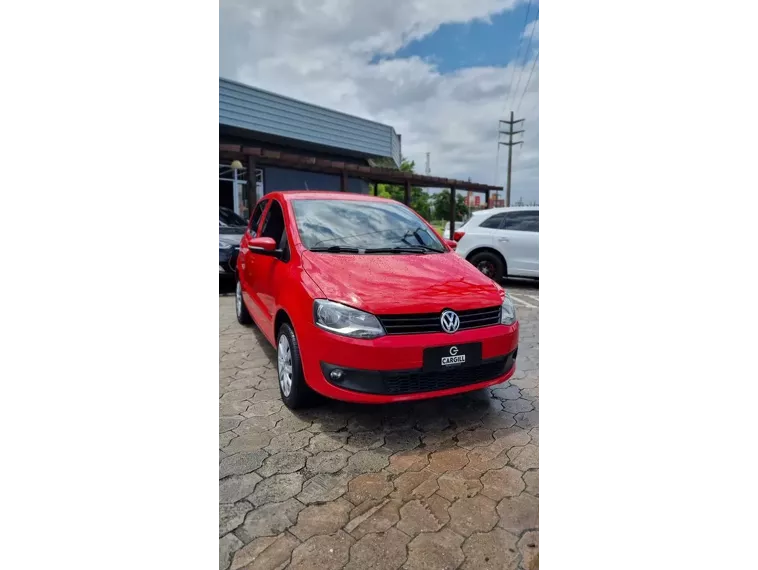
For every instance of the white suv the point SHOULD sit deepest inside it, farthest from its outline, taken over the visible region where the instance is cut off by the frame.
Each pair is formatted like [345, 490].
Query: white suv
[502, 242]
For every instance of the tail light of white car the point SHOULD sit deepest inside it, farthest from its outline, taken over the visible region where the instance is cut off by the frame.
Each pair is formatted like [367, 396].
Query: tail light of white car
[458, 235]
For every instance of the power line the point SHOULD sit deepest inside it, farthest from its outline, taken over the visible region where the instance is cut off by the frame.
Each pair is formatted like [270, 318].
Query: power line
[532, 105]
[518, 53]
[497, 156]
[510, 89]
[526, 52]
[534, 64]
[517, 155]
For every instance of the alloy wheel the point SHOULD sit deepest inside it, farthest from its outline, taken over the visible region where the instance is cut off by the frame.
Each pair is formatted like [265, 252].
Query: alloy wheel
[284, 358]
[487, 268]
[238, 298]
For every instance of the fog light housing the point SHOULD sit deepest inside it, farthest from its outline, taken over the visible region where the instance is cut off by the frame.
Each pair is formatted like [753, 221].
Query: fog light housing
[336, 375]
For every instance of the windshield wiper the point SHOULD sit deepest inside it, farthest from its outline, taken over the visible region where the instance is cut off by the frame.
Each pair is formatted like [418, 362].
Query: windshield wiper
[337, 249]
[402, 249]
[424, 247]
[421, 244]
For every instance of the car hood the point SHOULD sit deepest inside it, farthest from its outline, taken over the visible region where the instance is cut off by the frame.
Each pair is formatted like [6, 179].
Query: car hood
[398, 284]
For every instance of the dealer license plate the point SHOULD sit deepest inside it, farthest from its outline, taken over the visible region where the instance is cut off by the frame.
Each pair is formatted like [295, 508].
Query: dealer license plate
[452, 356]
[448, 360]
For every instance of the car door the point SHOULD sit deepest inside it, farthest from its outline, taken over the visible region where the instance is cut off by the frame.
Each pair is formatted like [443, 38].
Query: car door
[519, 237]
[485, 234]
[248, 260]
[265, 268]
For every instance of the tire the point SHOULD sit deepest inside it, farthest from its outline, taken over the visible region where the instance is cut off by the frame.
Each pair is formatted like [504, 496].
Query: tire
[243, 317]
[490, 264]
[288, 357]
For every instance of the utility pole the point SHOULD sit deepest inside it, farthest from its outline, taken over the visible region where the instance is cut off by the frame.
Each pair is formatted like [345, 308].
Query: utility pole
[510, 132]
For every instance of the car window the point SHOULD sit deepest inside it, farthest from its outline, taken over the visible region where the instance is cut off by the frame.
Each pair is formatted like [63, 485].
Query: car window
[493, 221]
[364, 225]
[526, 221]
[273, 225]
[256, 217]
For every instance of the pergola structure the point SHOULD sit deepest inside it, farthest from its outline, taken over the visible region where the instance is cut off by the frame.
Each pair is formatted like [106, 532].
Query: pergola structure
[253, 156]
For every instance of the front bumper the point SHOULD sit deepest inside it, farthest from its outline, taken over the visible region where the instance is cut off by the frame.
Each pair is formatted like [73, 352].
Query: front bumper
[390, 368]
[416, 381]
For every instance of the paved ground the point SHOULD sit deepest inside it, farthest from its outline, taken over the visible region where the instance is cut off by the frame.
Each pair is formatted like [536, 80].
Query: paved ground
[443, 484]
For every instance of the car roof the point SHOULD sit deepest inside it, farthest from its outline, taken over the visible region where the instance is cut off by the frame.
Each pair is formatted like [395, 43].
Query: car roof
[510, 209]
[289, 195]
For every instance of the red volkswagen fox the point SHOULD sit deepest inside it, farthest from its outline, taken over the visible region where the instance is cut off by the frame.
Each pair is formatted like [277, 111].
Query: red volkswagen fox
[364, 302]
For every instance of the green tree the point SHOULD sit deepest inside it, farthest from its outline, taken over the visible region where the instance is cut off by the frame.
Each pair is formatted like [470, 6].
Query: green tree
[442, 206]
[419, 198]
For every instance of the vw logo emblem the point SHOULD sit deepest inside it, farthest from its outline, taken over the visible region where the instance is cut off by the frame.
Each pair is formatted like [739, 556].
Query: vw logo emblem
[450, 321]
[453, 350]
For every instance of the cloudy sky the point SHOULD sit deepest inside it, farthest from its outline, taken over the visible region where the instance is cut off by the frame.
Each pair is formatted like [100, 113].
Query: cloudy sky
[440, 71]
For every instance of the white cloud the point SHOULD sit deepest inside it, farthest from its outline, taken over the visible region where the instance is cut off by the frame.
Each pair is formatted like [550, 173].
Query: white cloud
[534, 24]
[321, 52]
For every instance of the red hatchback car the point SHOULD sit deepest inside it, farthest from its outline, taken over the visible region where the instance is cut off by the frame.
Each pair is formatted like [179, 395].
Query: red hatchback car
[364, 302]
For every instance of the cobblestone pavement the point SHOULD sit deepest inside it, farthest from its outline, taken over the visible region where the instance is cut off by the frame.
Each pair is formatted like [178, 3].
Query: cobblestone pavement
[441, 484]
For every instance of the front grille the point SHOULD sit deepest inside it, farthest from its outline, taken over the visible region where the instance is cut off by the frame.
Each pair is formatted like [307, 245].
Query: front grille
[410, 382]
[430, 322]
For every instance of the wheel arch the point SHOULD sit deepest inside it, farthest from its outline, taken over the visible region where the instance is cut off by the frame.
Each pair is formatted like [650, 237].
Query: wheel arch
[281, 318]
[486, 249]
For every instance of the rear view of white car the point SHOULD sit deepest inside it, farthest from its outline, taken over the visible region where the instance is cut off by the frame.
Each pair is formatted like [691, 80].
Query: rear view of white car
[446, 231]
[502, 242]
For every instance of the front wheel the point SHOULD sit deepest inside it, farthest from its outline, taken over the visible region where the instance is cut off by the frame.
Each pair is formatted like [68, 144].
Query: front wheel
[243, 317]
[490, 265]
[294, 391]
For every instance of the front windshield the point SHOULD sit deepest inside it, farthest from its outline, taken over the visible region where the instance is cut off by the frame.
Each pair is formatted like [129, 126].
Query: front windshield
[227, 217]
[364, 225]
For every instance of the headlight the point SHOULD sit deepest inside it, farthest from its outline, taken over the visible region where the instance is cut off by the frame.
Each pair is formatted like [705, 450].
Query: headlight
[344, 320]
[222, 245]
[508, 311]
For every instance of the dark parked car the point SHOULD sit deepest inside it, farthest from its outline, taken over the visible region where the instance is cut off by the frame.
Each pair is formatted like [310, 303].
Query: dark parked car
[231, 228]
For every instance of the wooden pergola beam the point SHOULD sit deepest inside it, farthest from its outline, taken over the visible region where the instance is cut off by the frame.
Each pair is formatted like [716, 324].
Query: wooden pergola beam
[372, 174]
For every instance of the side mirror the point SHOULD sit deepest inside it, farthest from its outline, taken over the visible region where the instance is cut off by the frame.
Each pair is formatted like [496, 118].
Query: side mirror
[263, 245]
[451, 244]
[266, 244]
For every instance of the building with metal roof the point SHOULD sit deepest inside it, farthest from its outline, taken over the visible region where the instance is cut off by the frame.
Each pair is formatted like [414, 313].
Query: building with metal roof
[293, 145]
